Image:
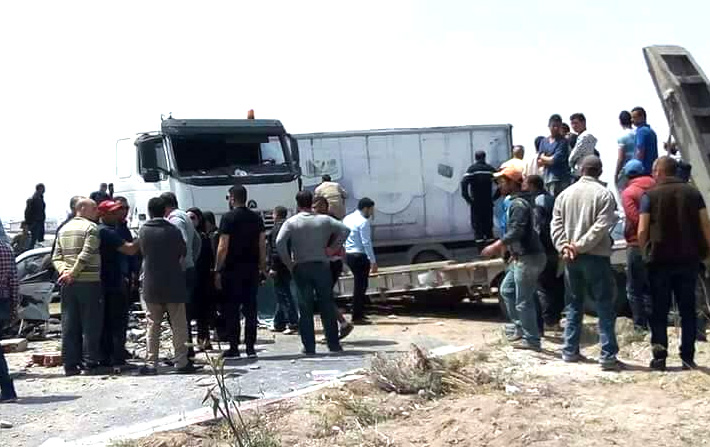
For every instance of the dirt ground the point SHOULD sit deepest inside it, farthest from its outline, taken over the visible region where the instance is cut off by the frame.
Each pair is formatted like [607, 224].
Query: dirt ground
[526, 399]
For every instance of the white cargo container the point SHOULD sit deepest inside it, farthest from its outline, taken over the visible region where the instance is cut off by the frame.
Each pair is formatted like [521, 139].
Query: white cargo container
[413, 175]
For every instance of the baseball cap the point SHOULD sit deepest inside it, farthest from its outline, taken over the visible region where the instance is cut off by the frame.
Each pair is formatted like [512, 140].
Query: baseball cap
[633, 167]
[109, 206]
[510, 173]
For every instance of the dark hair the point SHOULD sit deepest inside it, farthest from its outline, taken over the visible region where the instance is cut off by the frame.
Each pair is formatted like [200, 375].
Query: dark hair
[120, 199]
[565, 126]
[555, 119]
[640, 110]
[304, 199]
[536, 181]
[209, 217]
[480, 155]
[110, 185]
[102, 185]
[365, 202]
[156, 207]
[281, 212]
[239, 192]
[39, 186]
[625, 118]
[326, 178]
[323, 200]
[578, 116]
[73, 201]
[538, 142]
[169, 200]
[200, 227]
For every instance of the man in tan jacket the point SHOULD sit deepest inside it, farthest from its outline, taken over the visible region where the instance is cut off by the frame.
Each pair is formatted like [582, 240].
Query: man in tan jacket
[335, 194]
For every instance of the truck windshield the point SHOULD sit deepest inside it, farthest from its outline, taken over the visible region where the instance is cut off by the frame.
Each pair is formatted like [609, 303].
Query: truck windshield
[224, 154]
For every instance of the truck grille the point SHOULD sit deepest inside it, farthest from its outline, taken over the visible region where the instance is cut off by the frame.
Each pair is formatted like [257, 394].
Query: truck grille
[268, 217]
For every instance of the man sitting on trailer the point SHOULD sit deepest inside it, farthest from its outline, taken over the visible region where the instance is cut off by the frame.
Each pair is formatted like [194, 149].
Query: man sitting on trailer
[477, 191]
[335, 194]
[528, 260]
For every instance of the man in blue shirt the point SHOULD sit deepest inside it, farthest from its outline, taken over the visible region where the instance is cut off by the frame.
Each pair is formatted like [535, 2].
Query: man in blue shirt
[646, 142]
[554, 155]
[360, 255]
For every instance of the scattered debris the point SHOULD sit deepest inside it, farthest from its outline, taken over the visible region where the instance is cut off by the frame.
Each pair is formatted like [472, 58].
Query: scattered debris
[13, 345]
[5, 424]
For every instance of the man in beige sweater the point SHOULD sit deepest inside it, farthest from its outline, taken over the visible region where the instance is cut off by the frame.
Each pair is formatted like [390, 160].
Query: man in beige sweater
[335, 194]
[582, 219]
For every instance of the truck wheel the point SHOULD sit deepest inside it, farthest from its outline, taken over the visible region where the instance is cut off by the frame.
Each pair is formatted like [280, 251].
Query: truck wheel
[428, 256]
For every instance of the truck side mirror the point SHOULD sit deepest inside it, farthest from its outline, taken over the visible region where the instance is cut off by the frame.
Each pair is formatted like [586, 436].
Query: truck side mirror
[151, 176]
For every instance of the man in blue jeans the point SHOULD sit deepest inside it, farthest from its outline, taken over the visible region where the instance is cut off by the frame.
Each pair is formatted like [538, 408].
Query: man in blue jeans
[673, 256]
[582, 219]
[519, 286]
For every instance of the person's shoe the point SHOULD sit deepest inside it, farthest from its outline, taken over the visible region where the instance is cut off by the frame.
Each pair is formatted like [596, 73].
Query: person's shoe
[148, 371]
[361, 321]
[336, 349]
[8, 400]
[514, 337]
[689, 365]
[278, 330]
[308, 352]
[190, 368]
[574, 358]
[322, 341]
[289, 331]
[345, 330]
[95, 371]
[525, 346]
[69, 372]
[251, 354]
[231, 354]
[701, 337]
[658, 364]
[611, 365]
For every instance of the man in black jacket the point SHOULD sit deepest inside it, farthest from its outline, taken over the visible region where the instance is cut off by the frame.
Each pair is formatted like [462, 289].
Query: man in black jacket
[476, 189]
[527, 261]
[35, 215]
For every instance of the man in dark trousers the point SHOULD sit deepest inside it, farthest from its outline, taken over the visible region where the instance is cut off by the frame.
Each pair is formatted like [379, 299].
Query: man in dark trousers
[241, 257]
[360, 255]
[35, 215]
[113, 249]
[164, 291]
[302, 244]
[673, 256]
[476, 189]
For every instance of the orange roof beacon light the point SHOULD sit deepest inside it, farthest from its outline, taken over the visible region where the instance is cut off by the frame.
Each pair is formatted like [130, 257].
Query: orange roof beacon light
[250, 114]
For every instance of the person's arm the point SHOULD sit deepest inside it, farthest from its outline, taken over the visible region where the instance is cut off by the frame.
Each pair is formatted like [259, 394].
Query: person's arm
[89, 249]
[282, 240]
[561, 155]
[631, 209]
[640, 149]
[220, 259]
[603, 222]
[180, 224]
[129, 248]
[705, 225]
[518, 216]
[196, 245]
[619, 162]
[557, 229]
[465, 193]
[262, 252]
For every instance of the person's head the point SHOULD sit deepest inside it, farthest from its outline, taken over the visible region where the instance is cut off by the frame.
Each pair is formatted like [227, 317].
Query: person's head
[509, 179]
[633, 168]
[169, 201]
[518, 152]
[197, 218]
[578, 122]
[125, 207]
[24, 226]
[103, 187]
[40, 188]
[110, 211]
[72, 204]
[591, 166]
[326, 178]
[638, 116]
[320, 205]
[87, 209]
[110, 188]
[625, 119]
[480, 156]
[304, 200]
[664, 167]
[156, 207]
[555, 125]
[280, 213]
[564, 129]
[538, 142]
[533, 183]
[238, 196]
[210, 221]
[366, 206]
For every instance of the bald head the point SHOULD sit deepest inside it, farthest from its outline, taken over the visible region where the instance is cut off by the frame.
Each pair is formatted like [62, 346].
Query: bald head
[86, 208]
[591, 166]
[518, 152]
[665, 167]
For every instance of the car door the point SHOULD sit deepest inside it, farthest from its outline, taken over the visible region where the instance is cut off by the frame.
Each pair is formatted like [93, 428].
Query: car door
[37, 280]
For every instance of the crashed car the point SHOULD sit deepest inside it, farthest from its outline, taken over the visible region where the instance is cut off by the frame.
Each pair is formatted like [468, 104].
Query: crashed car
[38, 287]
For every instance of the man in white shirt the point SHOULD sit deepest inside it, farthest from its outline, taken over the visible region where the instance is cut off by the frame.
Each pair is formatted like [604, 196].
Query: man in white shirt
[586, 143]
[360, 255]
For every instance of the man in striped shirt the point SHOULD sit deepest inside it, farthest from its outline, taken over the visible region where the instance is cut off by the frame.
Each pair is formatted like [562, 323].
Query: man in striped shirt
[76, 258]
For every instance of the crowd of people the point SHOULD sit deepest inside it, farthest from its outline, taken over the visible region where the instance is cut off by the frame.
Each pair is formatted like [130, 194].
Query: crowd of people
[187, 268]
[556, 235]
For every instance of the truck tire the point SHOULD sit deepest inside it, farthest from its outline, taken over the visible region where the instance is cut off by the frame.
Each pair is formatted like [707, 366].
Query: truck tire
[428, 256]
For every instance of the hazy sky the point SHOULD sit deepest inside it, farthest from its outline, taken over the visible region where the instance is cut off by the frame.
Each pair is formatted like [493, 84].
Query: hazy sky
[76, 76]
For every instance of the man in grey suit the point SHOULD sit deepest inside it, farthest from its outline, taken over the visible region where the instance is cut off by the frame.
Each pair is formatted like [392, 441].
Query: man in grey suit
[164, 288]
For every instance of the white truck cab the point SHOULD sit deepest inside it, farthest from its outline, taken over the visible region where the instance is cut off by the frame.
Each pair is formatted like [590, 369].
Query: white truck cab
[199, 160]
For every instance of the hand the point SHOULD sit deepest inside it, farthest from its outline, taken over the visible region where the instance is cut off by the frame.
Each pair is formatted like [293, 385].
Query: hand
[272, 273]
[331, 252]
[569, 252]
[65, 278]
[218, 280]
[373, 268]
[493, 249]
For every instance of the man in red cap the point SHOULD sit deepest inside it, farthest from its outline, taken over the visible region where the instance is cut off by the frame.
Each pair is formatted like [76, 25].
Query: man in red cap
[527, 260]
[112, 249]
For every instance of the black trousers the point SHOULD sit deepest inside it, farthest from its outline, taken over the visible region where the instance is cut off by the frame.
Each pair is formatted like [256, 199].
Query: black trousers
[482, 217]
[113, 335]
[82, 321]
[360, 266]
[240, 289]
[551, 291]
